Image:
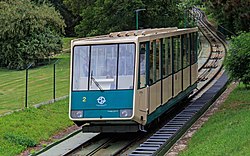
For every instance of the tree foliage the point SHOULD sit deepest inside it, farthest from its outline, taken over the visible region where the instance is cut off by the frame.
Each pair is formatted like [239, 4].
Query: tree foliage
[104, 16]
[234, 15]
[28, 33]
[71, 20]
[238, 59]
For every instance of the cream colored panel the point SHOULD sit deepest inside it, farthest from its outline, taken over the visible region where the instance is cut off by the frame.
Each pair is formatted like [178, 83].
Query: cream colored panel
[155, 96]
[177, 83]
[186, 78]
[141, 105]
[152, 93]
[167, 89]
[158, 94]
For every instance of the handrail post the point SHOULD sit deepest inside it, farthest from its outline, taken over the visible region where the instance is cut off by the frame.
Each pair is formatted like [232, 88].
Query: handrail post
[26, 86]
[54, 81]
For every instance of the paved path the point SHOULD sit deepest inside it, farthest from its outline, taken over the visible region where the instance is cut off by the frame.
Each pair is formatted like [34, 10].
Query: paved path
[69, 144]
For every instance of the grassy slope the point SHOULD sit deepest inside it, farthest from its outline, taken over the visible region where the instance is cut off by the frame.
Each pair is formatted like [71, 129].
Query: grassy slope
[12, 83]
[27, 128]
[228, 131]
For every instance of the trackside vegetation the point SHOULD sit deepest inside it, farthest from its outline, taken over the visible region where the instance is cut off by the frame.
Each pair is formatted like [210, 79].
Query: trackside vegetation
[27, 128]
[227, 131]
[238, 59]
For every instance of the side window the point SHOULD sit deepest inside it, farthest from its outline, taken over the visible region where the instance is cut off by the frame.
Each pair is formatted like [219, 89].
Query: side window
[188, 48]
[164, 57]
[192, 38]
[176, 52]
[154, 65]
[169, 63]
[196, 45]
[157, 59]
[142, 67]
[184, 50]
[126, 66]
[151, 58]
[167, 57]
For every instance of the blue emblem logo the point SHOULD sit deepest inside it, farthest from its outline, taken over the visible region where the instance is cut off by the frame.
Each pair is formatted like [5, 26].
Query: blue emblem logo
[101, 100]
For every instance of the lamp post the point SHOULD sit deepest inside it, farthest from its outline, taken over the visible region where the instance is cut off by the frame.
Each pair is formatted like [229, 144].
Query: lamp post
[137, 17]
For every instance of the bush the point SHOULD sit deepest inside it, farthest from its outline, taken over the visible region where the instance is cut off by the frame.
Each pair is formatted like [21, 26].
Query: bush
[28, 33]
[237, 61]
[19, 140]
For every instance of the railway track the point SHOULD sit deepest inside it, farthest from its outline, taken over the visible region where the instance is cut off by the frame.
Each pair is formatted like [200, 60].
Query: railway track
[159, 140]
[107, 144]
[213, 65]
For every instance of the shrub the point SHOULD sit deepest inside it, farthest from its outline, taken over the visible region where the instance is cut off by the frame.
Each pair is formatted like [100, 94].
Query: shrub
[237, 61]
[28, 33]
[20, 140]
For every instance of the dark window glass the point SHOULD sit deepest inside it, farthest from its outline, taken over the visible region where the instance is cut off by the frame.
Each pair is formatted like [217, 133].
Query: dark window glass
[188, 49]
[184, 50]
[192, 38]
[176, 52]
[157, 59]
[167, 57]
[154, 58]
[142, 67]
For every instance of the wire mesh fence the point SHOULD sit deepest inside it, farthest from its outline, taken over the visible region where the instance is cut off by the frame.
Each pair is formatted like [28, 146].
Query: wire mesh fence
[20, 89]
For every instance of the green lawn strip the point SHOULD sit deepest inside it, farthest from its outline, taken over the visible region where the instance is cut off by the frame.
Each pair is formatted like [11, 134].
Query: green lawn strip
[67, 42]
[12, 84]
[227, 132]
[27, 128]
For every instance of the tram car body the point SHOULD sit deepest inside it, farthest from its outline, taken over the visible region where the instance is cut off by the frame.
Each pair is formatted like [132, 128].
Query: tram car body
[123, 81]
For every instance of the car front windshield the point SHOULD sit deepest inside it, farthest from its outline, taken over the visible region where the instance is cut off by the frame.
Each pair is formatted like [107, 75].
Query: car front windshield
[103, 67]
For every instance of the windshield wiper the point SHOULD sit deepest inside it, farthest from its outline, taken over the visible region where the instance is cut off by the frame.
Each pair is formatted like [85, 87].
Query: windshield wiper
[95, 82]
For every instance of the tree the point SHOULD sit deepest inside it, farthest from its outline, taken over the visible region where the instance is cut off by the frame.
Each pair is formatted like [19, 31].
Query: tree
[71, 20]
[104, 16]
[163, 13]
[231, 14]
[238, 59]
[29, 33]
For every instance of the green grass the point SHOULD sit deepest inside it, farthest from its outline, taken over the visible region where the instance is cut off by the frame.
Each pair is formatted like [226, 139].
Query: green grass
[40, 85]
[67, 42]
[228, 131]
[27, 128]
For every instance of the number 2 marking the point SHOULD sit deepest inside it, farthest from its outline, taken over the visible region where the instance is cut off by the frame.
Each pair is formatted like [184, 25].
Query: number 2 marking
[84, 99]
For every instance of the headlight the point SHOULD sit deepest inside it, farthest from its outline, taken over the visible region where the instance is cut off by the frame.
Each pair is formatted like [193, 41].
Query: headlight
[125, 113]
[77, 114]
